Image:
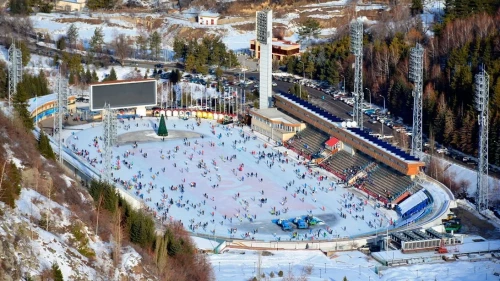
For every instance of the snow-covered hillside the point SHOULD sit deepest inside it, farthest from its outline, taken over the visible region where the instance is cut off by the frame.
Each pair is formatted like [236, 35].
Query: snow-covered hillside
[40, 232]
[35, 249]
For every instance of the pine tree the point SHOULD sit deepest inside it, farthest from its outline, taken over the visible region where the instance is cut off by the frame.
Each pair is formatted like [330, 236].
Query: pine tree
[25, 53]
[417, 7]
[19, 7]
[44, 146]
[4, 81]
[162, 129]
[72, 35]
[57, 273]
[190, 63]
[97, 40]
[20, 102]
[11, 184]
[112, 75]
[71, 79]
[154, 44]
[61, 43]
[88, 76]
[95, 78]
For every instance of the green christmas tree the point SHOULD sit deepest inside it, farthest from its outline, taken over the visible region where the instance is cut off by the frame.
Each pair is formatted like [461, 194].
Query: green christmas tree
[162, 130]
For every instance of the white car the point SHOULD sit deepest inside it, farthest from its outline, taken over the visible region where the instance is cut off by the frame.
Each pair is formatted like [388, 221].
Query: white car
[274, 84]
[442, 150]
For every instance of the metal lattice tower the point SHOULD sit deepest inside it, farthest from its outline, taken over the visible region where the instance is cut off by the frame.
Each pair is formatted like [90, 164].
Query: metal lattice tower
[416, 76]
[357, 49]
[60, 110]
[15, 70]
[482, 100]
[109, 137]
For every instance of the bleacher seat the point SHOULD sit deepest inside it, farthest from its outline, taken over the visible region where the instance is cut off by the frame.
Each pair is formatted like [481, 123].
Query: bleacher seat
[314, 139]
[383, 181]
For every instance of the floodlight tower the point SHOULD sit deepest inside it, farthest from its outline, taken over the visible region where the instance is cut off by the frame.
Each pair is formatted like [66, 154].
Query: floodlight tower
[264, 28]
[357, 49]
[61, 109]
[15, 70]
[416, 76]
[109, 137]
[482, 100]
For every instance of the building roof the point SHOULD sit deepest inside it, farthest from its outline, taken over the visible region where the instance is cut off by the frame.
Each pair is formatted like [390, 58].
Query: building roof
[332, 141]
[412, 201]
[207, 14]
[274, 114]
[73, 1]
[357, 132]
[281, 43]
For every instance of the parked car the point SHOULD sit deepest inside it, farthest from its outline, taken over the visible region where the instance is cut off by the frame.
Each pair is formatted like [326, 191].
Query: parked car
[443, 150]
[159, 65]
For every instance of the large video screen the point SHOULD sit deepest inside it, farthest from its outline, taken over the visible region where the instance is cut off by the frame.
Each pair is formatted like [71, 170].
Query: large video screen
[123, 94]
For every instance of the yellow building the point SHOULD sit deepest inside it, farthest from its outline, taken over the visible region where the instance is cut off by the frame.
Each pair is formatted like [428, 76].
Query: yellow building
[275, 124]
[281, 49]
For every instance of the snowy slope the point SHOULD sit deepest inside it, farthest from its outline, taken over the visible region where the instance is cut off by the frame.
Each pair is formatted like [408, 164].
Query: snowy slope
[56, 245]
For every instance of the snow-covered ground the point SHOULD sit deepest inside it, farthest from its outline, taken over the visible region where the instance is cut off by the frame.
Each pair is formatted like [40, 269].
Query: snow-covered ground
[222, 180]
[39, 249]
[236, 265]
[114, 24]
[460, 173]
[433, 11]
[328, 4]
[49, 23]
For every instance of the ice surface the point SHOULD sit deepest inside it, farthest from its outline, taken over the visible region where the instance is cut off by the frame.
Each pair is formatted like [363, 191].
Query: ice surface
[196, 210]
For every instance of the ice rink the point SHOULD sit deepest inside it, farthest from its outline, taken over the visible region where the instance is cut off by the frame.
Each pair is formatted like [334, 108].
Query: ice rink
[226, 181]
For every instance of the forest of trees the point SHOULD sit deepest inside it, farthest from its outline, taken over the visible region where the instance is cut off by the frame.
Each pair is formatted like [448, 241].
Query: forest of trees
[197, 57]
[173, 251]
[462, 44]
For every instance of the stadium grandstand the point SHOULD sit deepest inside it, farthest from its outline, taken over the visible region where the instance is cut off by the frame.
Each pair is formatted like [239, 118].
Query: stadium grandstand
[308, 143]
[361, 160]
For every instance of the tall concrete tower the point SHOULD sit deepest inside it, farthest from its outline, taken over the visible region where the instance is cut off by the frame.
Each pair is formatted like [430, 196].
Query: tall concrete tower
[264, 32]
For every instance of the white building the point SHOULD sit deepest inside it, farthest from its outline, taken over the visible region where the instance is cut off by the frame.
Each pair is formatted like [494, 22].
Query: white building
[208, 18]
[71, 5]
[264, 32]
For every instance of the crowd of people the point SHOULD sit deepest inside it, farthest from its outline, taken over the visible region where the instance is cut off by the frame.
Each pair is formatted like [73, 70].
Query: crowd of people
[196, 156]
